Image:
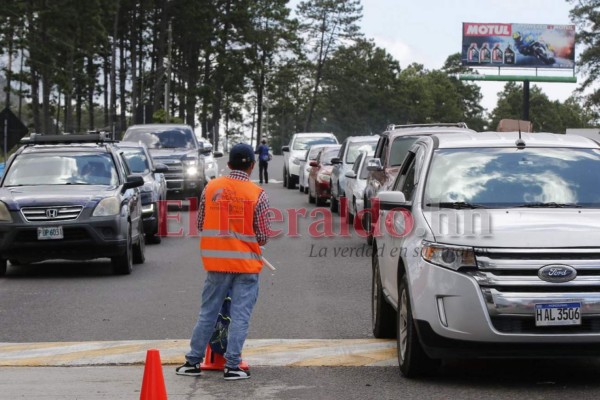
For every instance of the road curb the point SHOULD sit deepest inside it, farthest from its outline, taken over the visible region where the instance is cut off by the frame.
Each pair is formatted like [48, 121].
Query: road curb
[257, 352]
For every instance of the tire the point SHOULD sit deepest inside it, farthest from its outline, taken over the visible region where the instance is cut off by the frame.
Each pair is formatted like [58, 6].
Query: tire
[311, 199]
[333, 202]
[14, 262]
[3, 267]
[285, 178]
[350, 216]
[301, 188]
[367, 225]
[291, 182]
[412, 359]
[153, 238]
[123, 264]
[383, 316]
[139, 256]
[305, 190]
[319, 202]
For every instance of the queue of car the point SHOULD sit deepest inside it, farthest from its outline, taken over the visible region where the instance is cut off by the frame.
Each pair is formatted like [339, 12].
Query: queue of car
[82, 197]
[484, 245]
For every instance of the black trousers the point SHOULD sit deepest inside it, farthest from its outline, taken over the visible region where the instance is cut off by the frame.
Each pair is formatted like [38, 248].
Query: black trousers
[263, 165]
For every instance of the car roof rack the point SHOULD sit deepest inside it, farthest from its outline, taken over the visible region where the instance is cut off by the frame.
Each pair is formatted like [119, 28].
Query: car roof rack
[393, 127]
[97, 137]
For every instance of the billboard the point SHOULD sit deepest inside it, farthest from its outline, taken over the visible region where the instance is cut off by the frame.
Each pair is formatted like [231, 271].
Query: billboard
[518, 45]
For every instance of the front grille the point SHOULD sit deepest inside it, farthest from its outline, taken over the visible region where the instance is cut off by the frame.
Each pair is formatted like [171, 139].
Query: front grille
[511, 287]
[54, 213]
[174, 176]
[527, 325]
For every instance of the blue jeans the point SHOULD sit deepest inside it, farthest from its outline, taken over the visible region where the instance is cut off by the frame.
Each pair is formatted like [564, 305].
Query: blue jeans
[243, 289]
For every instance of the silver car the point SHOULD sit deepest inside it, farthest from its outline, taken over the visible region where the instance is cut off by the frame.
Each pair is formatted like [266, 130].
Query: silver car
[356, 183]
[210, 165]
[351, 148]
[488, 245]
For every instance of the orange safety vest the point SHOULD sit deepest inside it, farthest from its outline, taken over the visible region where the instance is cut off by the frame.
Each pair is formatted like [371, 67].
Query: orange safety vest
[228, 241]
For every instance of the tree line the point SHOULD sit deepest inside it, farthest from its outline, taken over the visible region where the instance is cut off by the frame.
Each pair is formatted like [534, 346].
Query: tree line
[245, 67]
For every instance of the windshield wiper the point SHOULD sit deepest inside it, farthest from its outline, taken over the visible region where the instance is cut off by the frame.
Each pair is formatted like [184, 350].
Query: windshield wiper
[455, 204]
[551, 204]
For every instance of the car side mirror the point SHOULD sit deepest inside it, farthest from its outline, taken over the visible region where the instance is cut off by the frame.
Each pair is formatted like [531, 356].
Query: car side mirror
[351, 174]
[313, 164]
[206, 152]
[133, 181]
[374, 165]
[217, 154]
[389, 200]
[285, 149]
[336, 160]
[160, 168]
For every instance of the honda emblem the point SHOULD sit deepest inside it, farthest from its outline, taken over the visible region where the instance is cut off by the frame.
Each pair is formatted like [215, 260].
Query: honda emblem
[52, 213]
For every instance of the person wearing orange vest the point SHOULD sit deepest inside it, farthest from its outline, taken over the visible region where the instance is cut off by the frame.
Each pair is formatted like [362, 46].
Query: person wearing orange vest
[233, 224]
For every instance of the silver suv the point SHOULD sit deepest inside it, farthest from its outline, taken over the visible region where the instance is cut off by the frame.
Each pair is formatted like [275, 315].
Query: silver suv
[489, 246]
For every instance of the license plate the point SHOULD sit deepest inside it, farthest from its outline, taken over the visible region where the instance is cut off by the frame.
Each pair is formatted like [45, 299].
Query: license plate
[50, 233]
[557, 314]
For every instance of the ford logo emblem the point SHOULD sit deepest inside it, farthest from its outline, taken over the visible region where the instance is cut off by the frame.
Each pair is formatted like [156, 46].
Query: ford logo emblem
[557, 273]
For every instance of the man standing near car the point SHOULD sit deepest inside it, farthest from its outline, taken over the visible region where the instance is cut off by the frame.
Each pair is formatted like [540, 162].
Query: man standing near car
[233, 222]
[264, 156]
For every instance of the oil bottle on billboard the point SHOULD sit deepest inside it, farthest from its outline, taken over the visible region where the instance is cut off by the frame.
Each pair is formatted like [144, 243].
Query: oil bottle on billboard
[497, 54]
[509, 55]
[485, 55]
[473, 53]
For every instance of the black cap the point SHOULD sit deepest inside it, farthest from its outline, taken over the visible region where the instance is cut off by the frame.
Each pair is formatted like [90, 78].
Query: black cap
[241, 152]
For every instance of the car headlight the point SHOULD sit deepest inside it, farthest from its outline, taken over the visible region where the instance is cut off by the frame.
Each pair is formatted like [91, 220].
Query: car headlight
[295, 161]
[191, 171]
[4, 213]
[323, 177]
[190, 162]
[107, 207]
[453, 257]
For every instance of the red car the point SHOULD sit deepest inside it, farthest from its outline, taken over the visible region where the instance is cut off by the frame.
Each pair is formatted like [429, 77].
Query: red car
[319, 178]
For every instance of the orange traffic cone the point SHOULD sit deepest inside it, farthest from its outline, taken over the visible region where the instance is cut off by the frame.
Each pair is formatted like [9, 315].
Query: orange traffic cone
[153, 385]
[215, 362]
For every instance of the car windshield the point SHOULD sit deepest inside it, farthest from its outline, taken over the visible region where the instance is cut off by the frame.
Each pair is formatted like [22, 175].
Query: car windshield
[62, 169]
[328, 154]
[506, 177]
[303, 143]
[165, 138]
[137, 161]
[355, 148]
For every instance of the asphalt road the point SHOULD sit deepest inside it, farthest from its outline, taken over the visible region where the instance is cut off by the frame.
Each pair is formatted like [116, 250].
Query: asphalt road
[321, 290]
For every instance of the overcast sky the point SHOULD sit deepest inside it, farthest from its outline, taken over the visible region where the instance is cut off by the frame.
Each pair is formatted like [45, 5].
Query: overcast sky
[428, 31]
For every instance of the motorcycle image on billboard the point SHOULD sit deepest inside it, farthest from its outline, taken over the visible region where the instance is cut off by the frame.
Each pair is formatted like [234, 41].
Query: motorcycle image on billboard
[518, 45]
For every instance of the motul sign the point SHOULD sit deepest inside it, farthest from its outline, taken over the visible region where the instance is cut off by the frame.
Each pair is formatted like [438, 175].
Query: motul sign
[487, 29]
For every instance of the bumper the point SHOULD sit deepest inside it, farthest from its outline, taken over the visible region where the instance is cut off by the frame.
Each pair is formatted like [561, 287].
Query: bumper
[181, 190]
[477, 323]
[150, 218]
[102, 237]
[294, 170]
[323, 190]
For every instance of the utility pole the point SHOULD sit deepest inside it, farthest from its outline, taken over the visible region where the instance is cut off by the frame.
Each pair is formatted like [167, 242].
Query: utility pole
[168, 78]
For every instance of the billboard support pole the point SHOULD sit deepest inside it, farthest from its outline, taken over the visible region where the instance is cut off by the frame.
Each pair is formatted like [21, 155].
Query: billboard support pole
[526, 100]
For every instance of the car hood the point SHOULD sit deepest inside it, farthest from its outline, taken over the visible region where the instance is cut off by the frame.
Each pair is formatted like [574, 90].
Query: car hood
[50, 195]
[523, 228]
[159, 154]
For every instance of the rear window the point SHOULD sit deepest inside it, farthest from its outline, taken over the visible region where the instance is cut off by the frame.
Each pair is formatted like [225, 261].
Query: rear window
[355, 148]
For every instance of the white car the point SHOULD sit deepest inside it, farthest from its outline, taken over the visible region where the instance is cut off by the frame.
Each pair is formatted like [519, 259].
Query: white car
[305, 167]
[211, 168]
[356, 183]
[489, 246]
[296, 150]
